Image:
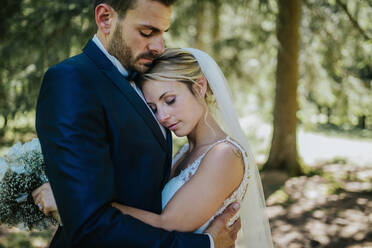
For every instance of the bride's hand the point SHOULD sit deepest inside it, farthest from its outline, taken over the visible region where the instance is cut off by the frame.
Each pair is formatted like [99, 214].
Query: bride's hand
[124, 209]
[44, 199]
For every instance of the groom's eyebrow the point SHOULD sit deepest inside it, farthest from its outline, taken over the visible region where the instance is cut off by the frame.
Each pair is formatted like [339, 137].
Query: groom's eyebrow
[154, 29]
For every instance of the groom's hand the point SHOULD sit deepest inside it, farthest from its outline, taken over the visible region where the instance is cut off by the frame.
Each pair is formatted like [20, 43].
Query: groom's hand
[222, 235]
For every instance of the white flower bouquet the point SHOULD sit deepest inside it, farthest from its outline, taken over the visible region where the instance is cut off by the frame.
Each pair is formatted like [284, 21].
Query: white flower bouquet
[21, 172]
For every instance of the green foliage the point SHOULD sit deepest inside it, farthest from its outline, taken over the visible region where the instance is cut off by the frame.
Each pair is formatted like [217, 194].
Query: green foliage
[336, 76]
[335, 69]
[37, 34]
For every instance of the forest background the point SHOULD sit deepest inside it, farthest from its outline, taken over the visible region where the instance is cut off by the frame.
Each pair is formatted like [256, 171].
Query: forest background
[301, 77]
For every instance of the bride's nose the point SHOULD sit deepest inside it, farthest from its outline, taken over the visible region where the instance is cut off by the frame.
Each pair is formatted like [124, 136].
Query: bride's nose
[163, 116]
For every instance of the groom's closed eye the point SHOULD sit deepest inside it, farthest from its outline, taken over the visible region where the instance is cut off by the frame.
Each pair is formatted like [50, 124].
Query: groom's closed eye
[146, 32]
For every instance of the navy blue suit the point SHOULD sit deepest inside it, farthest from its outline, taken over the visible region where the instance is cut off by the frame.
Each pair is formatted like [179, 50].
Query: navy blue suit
[101, 144]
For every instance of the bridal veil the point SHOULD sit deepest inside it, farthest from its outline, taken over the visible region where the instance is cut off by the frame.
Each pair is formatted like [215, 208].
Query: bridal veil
[255, 224]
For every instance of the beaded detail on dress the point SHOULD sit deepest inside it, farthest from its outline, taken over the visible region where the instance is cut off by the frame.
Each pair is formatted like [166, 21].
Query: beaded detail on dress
[184, 176]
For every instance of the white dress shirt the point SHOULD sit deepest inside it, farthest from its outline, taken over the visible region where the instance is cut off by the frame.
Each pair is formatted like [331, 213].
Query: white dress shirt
[124, 72]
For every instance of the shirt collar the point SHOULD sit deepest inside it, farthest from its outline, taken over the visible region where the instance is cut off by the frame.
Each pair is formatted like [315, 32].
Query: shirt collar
[114, 60]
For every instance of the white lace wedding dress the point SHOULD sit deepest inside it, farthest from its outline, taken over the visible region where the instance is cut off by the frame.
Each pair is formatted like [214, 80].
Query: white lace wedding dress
[184, 176]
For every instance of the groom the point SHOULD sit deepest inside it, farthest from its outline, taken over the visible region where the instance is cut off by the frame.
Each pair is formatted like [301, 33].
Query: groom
[102, 144]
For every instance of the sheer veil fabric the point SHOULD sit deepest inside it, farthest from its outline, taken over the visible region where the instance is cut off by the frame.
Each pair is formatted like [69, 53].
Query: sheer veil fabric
[255, 224]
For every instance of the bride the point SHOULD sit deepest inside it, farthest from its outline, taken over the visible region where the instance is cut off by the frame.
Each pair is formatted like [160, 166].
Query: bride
[189, 95]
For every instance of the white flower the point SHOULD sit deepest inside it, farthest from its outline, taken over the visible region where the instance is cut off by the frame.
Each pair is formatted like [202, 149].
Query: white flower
[32, 146]
[19, 154]
[17, 168]
[15, 153]
[15, 158]
[3, 168]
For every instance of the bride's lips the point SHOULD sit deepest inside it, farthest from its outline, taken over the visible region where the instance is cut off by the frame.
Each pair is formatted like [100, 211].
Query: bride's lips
[173, 126]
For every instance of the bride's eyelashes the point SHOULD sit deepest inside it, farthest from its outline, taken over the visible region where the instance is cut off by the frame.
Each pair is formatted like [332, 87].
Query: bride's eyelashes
[170, 101]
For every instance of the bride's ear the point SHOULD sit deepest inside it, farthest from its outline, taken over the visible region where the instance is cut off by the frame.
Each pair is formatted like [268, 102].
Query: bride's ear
[202, 86]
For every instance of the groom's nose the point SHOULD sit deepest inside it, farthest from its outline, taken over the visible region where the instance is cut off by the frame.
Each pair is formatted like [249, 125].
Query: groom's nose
[156, 45]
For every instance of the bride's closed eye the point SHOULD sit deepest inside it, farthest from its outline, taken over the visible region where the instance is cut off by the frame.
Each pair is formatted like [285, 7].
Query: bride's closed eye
[170, 100]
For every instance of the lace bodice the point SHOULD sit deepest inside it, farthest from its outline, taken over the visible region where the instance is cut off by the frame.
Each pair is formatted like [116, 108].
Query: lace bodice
[184, 176]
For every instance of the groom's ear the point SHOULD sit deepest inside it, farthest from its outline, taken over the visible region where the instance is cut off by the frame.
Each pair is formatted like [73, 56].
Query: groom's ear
[105, 18]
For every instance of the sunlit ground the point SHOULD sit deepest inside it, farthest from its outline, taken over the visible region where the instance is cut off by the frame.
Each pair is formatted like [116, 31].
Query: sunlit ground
[331, 207]
[324, 211]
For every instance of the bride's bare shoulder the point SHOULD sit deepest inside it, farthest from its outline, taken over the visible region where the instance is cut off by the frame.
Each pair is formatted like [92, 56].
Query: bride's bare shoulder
[226, 150]
[225, 157]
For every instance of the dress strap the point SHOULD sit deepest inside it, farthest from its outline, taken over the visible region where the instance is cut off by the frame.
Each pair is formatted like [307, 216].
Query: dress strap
[196, 163]
[237, 145]
[213, 145]
[229, 140]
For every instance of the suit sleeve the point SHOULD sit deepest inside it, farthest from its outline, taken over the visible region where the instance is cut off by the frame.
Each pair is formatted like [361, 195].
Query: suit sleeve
[71, 126]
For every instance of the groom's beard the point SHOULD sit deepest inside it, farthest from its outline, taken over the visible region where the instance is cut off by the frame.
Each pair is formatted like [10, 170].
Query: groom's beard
[119, 48]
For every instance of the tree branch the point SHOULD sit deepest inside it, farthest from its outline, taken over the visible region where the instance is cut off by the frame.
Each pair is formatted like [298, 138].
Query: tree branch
[352, 19]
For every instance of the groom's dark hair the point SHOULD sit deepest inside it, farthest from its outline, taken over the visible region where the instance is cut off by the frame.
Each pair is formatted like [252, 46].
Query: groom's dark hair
[121, 6]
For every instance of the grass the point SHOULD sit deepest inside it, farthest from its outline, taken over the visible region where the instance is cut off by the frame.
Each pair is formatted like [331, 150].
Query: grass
[337, 131]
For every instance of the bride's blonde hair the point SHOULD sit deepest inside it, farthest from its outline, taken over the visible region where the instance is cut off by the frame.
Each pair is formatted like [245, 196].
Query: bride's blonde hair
[176, 64]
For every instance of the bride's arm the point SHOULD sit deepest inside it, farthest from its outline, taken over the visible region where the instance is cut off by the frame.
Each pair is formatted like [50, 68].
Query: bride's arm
[219, 174]
[143, 215]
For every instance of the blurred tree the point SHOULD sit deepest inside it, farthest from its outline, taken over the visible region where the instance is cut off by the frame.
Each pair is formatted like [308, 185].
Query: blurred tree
[336, 77]
[216, 29]
[37, 34]
[283, 153]
[200, 24]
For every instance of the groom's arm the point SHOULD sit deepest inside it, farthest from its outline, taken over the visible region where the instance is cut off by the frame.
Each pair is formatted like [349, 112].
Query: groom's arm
[71, 126]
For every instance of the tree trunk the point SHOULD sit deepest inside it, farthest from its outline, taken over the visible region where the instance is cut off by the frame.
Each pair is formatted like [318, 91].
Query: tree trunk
[3, 128]
[283, 153]
[200, 24]
[216, 32]
[362, 122]
[329, 114]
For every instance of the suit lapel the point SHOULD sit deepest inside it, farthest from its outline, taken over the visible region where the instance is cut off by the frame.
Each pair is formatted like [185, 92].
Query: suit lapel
[169, 164]
[105, 65]
[137, 102]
